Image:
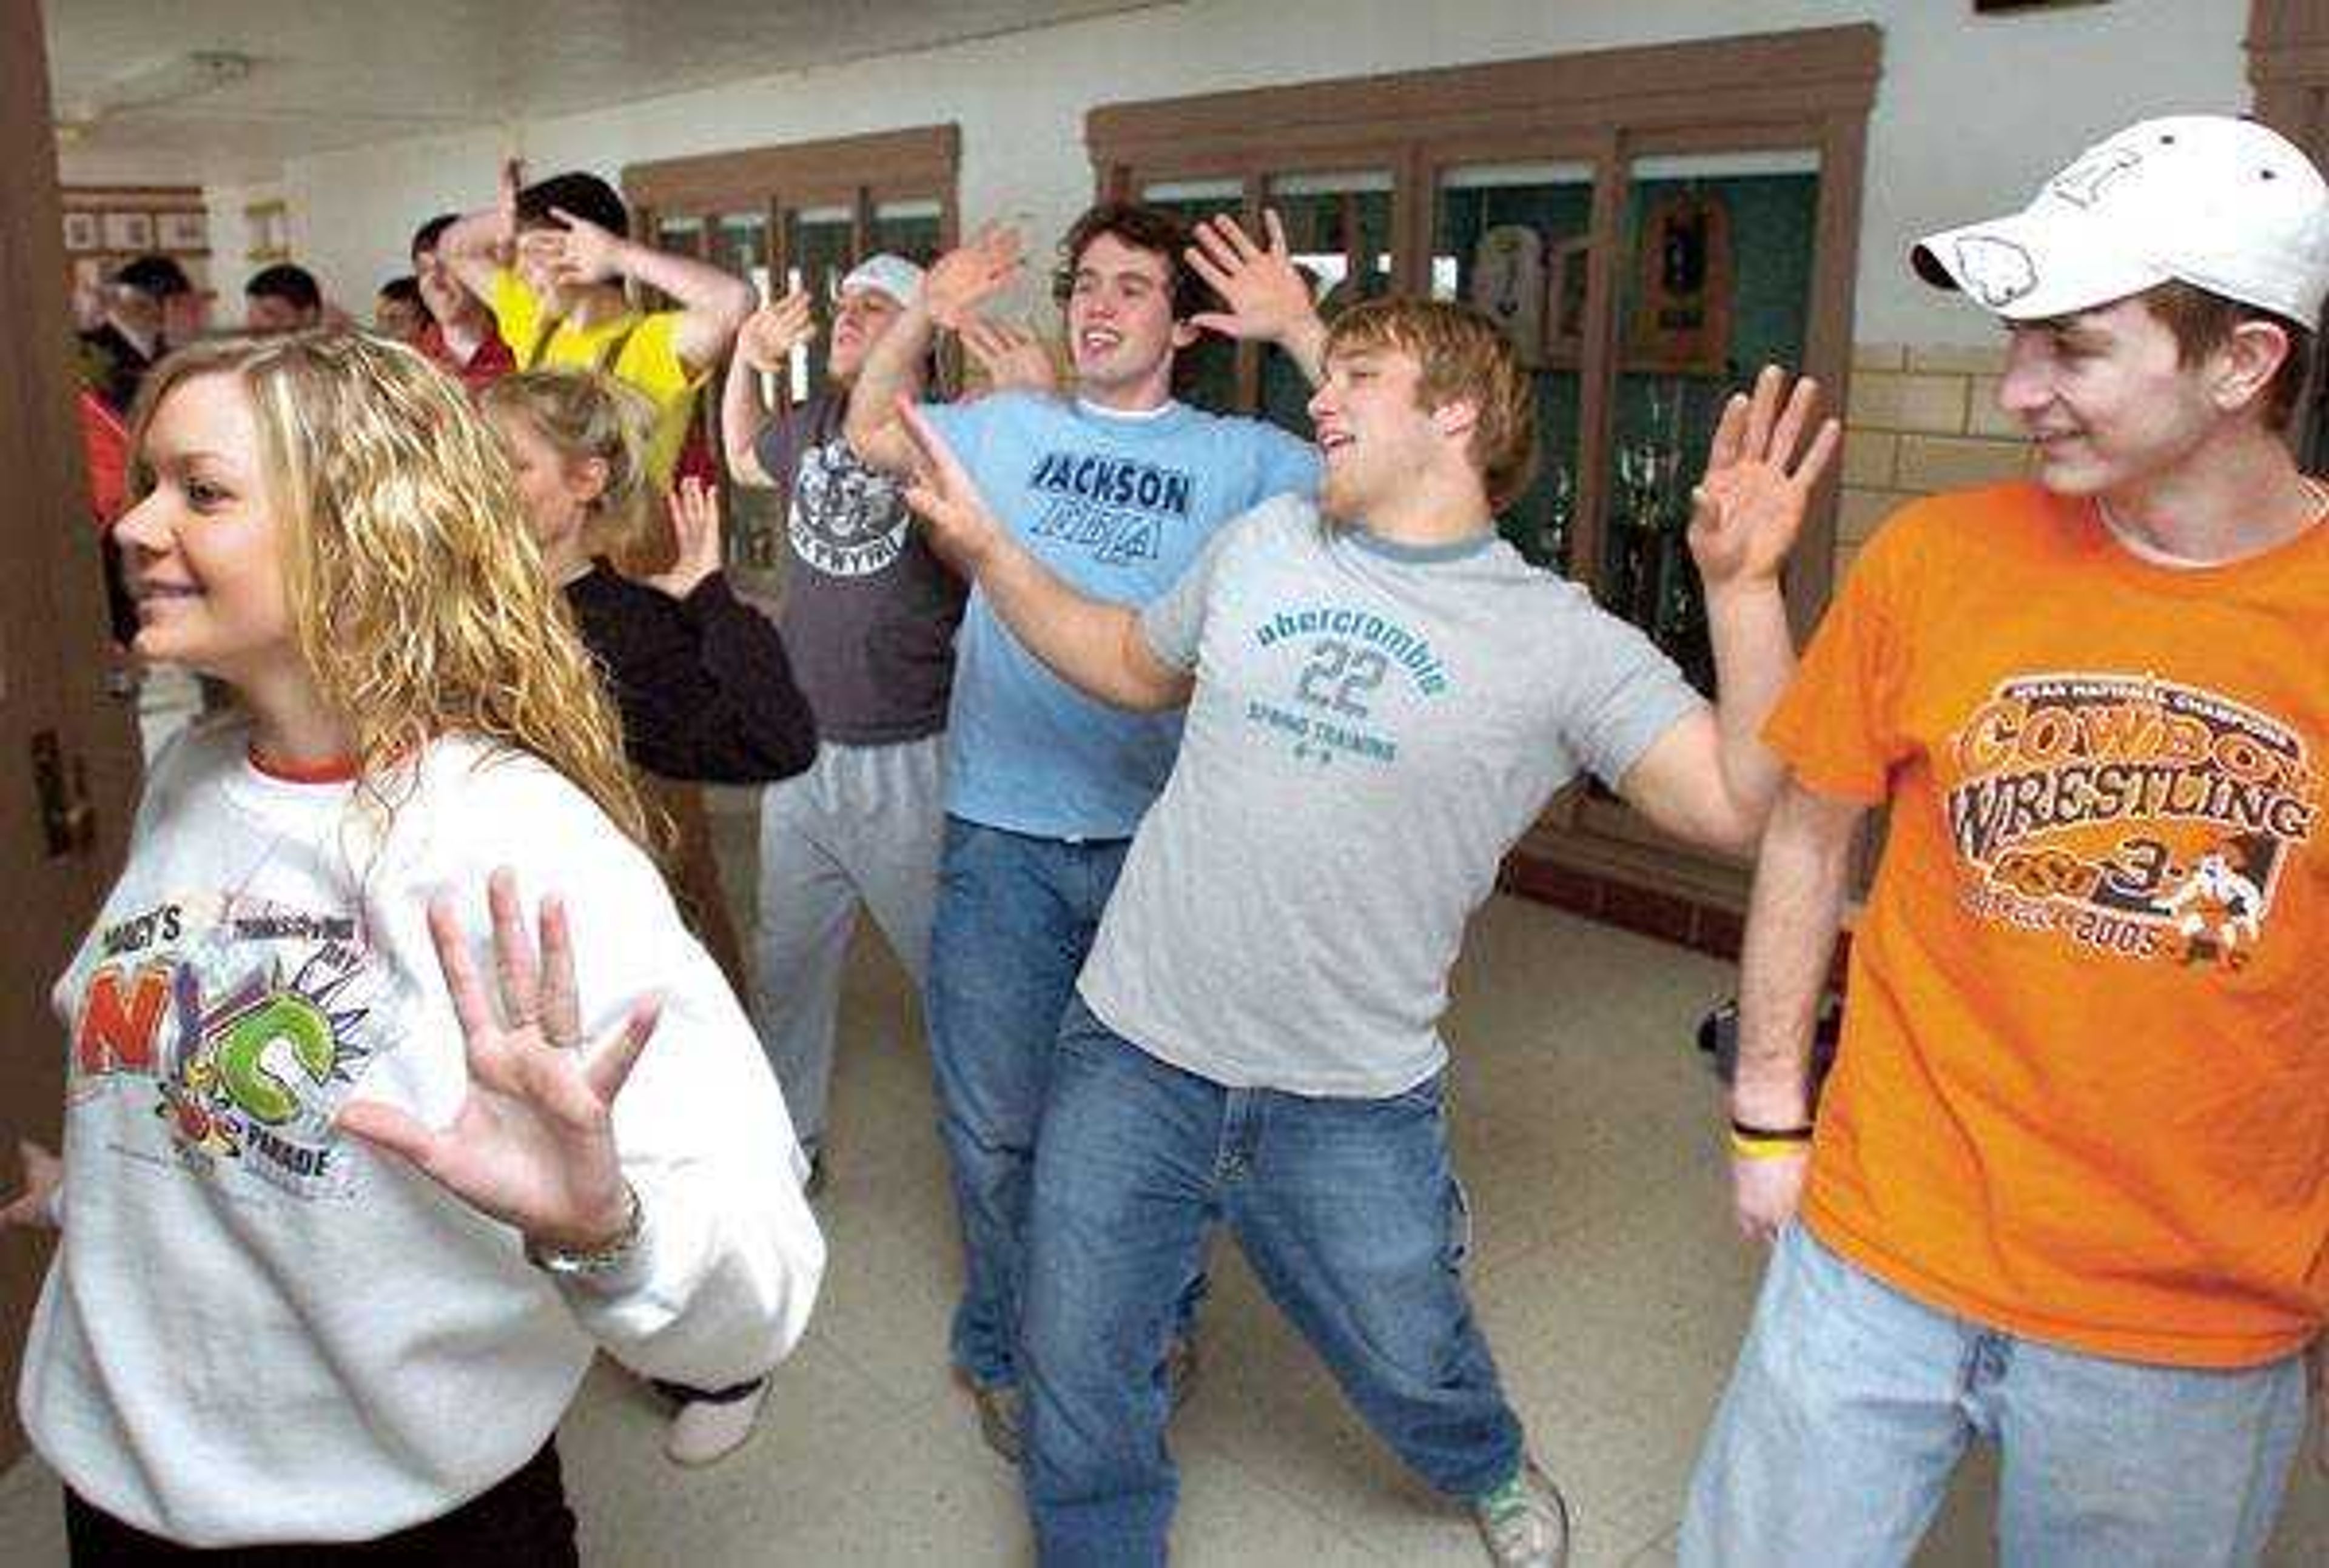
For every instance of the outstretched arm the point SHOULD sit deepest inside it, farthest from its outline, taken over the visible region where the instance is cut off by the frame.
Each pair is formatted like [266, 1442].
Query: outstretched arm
[1093, 646]
[1792, 920]
[951, 291]
[1710, 778]
[763, 345]
[689, 1254]
[1269, 298]
[713, 304]
[478, 244]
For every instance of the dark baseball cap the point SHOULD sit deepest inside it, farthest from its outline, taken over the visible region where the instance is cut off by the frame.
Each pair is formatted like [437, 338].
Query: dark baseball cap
[157, 276]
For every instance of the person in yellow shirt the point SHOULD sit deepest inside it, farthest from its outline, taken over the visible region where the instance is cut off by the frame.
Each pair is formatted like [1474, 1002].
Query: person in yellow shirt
[550, 259]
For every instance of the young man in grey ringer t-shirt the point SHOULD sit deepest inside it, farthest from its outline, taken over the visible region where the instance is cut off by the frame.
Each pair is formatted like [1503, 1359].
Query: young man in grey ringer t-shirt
[1380, 699]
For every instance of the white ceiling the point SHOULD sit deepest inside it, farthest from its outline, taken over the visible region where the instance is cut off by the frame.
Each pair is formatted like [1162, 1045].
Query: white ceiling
[330, 74]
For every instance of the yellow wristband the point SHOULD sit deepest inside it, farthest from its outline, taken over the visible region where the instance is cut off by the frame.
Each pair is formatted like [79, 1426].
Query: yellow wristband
[1745, 1147]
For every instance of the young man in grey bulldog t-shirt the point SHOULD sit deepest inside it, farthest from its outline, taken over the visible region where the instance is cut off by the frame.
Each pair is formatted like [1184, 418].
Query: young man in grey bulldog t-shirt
[1381, 696]
[869, 618]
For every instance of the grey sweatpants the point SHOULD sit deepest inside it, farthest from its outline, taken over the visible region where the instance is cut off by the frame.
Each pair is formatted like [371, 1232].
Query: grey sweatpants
[862, 826]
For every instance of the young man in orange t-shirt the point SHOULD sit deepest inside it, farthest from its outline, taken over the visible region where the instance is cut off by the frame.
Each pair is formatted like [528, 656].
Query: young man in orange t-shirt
[2068, 1190]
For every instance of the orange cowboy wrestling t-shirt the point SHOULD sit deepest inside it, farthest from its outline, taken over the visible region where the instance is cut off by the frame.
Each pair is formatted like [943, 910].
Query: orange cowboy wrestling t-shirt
[2083, 1092]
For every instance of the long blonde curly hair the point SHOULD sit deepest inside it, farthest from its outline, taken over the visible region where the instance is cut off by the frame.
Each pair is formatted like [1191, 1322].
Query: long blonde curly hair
[418, 599]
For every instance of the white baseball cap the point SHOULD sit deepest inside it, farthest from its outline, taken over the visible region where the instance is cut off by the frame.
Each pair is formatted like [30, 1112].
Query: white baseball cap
[2225, 206]
[892, 274]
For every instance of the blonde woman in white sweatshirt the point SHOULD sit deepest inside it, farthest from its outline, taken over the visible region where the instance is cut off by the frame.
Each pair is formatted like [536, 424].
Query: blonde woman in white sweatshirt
[364, 1153]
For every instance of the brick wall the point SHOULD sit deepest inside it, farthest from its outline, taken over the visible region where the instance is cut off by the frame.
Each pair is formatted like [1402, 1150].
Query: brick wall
[1922, 419]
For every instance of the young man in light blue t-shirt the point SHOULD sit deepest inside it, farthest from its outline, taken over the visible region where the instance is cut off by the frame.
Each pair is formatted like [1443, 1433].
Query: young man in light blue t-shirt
[1116, 488]
[1382, 695]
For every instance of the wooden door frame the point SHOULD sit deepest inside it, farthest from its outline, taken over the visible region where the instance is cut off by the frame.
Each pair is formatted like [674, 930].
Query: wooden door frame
[53, 661]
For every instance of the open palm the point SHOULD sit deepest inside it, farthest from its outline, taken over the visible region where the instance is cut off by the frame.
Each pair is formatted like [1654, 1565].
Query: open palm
[694, 509]
[533, 1145]
[1747, 509]
[958, 282]
[1012, 358]
[770, 333]
[1267, 296]
[962, 527]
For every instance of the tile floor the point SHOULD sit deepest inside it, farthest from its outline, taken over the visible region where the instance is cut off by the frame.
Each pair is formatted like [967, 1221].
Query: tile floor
[1608, 1278]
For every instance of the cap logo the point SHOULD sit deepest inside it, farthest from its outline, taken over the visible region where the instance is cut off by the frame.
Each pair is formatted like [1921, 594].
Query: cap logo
[2083, 183]
[1997, 271]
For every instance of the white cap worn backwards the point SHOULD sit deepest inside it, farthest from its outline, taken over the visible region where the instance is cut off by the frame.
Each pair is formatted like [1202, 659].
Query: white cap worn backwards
[2225, 206]
[893, 274]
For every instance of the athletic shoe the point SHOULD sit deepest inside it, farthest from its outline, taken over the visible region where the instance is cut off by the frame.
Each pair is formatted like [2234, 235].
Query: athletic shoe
[1524, 1522]
[707, 1430]
[1181, 1369]
[1002, 1413]
[1002, 1416]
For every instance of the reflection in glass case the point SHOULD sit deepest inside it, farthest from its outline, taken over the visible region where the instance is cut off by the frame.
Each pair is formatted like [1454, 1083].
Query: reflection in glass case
[906, 229]
[1205, 373]
[1715, 284]
[1512, 240]
[1338, 229]
[821, 255]
[740, 245]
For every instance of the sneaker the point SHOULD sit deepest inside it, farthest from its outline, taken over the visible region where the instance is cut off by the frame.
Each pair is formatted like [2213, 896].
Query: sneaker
[1181, 1369]
[1524, 1522]
[707, 1430]
[1001, 1416]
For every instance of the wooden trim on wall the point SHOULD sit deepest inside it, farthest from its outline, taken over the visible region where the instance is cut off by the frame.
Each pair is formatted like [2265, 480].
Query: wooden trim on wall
[53, 654]
[908, 162]
[2288, 70]
[140, 198]
[1782, 77]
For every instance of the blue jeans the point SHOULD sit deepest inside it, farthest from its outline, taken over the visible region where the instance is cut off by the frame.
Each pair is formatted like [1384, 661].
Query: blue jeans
[1015, 919]
[1851, 1403]
[1348, 1210]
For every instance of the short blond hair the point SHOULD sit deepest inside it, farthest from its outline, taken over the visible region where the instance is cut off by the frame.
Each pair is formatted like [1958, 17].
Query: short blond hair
[585, 415]
[1464, 357]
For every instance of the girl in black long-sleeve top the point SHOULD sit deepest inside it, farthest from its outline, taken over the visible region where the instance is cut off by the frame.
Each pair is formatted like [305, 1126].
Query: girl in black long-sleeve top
[703, 679]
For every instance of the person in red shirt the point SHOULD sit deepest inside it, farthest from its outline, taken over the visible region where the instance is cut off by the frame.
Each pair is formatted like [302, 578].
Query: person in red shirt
[460, 334]
[2069, 1187]
[105, 449]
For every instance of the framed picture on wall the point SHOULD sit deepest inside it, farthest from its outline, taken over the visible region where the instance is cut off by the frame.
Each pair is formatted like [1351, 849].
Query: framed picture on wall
[1508, 285]
[1564, 303]
[183, 230]
[128, 231]
[82, 232]
[1681, 320]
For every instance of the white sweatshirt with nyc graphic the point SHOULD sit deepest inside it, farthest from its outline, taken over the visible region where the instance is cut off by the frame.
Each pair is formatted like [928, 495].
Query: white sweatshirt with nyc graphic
[257, 1330]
